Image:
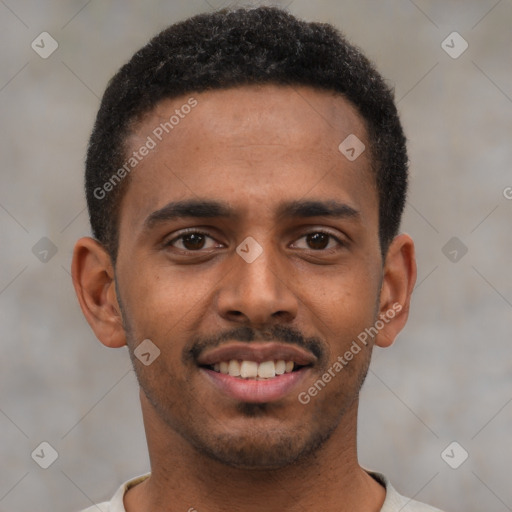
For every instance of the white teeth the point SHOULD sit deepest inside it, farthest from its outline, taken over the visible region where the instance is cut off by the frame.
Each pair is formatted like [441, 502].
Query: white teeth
[249, 369]
[234, 368]
[267, 370]
[280, 367]
[253, 370]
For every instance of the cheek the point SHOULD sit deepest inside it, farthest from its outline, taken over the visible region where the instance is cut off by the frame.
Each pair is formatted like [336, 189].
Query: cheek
[154, 296]
[165, 305]
[347, 303]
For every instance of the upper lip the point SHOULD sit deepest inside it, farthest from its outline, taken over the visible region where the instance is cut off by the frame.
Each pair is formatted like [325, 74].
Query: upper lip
[258, 352]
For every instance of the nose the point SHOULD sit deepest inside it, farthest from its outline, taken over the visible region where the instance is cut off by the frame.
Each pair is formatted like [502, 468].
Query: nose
[258, 292]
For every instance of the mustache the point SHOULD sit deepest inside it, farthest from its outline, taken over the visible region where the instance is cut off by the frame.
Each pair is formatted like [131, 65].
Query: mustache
[277, 333]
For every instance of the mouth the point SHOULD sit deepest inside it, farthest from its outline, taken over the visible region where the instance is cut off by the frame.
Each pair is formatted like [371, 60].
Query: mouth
[247, 369]
[256, 372]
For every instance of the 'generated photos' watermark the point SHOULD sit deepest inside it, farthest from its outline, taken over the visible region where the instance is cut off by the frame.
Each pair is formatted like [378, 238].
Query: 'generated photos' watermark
[304, 397]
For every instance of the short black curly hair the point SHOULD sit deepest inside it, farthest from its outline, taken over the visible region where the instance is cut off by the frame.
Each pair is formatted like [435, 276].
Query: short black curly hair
[231, 48]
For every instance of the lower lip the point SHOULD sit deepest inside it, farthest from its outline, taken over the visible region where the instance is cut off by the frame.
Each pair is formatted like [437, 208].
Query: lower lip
[256, 391]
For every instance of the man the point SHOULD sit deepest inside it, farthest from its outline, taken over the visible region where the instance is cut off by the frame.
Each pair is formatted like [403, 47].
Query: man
[245, 180]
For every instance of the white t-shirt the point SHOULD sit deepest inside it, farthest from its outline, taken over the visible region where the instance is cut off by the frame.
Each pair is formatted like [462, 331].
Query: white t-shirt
[394, 502]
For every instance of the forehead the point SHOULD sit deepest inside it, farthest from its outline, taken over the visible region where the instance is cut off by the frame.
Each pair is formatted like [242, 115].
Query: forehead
[299, 114]
[252, 141]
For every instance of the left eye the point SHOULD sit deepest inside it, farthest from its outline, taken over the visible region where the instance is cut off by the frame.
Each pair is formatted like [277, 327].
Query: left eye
[319, 240]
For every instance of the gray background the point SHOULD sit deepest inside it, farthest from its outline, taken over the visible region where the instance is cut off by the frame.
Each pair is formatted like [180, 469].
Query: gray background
[449, 375]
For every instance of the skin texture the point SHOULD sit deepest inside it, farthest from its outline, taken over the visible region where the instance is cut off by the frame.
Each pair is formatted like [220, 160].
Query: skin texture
[252, 147]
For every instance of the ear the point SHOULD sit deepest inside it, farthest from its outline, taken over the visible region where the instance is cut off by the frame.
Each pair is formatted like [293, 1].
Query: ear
[93, 278]
[397, 286]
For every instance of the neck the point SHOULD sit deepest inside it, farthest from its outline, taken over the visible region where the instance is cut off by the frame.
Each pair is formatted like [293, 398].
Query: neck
[183, 479]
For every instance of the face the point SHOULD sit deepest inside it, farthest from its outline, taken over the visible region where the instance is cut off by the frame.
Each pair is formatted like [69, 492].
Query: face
[249, 243]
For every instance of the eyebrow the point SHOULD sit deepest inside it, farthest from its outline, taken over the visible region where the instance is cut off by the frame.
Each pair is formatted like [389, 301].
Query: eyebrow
[208, 209]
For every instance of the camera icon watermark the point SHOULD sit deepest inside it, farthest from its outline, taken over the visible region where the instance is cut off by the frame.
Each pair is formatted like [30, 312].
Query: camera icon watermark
[44, 250]
[454, 455]
[352, 147]
[44, 455]
[454, 45]
[146, 352]
[44, 45]
[249, 249]
[454, 249]
[507, 192]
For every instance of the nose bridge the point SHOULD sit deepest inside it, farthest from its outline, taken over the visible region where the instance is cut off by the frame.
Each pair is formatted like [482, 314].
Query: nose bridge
[258, 266]
[255, 287]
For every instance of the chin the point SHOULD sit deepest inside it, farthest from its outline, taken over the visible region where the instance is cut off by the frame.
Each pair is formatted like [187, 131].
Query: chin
[260, 449]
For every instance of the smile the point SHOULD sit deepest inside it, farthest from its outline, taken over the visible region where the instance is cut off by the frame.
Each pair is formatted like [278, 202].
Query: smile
[256, 372]
[253, 370]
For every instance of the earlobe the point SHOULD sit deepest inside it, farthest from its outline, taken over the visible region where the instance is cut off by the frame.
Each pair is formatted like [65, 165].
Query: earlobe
[93, 279]
[396, 290]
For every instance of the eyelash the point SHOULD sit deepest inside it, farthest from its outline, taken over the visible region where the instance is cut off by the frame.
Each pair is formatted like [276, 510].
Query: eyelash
[199, 232]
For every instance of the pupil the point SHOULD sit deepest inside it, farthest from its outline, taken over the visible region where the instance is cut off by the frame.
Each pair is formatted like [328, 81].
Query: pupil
[197, 241]
[315, 240]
